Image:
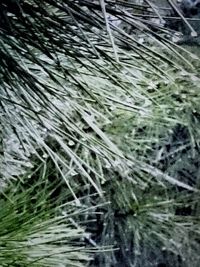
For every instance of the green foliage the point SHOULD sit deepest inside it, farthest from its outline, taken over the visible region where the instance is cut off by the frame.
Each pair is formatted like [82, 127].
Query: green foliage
[33, 230]
[115, 117]
[51, 86]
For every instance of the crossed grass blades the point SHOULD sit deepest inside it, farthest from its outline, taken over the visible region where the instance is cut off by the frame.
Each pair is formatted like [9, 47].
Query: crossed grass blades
[66, 73]
[33, 229]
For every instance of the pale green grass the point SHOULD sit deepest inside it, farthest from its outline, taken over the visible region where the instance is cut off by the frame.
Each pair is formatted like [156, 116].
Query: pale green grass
[33, 229]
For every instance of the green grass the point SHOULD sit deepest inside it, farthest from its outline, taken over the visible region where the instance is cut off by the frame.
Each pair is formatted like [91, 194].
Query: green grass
[96, 138]
[35, 231]
[141, 151]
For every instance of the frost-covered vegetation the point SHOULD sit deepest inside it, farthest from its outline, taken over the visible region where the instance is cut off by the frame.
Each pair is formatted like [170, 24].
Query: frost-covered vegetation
[99, 114]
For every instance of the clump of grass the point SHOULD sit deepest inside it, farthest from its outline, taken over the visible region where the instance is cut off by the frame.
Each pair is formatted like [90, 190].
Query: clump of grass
[107, 118]
[33, 229]
[153, 211]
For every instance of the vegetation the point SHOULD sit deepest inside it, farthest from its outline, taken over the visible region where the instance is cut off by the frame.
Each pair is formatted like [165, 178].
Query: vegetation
[99, 135]
[34, 231]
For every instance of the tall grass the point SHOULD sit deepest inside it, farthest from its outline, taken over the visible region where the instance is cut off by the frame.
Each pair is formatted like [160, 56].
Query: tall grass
[34, 231]
[115, 117]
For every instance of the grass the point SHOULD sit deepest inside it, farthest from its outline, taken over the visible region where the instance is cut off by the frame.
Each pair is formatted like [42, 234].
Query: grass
[114, 130]
[130, 150]
[127, 148]
[34, 231]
